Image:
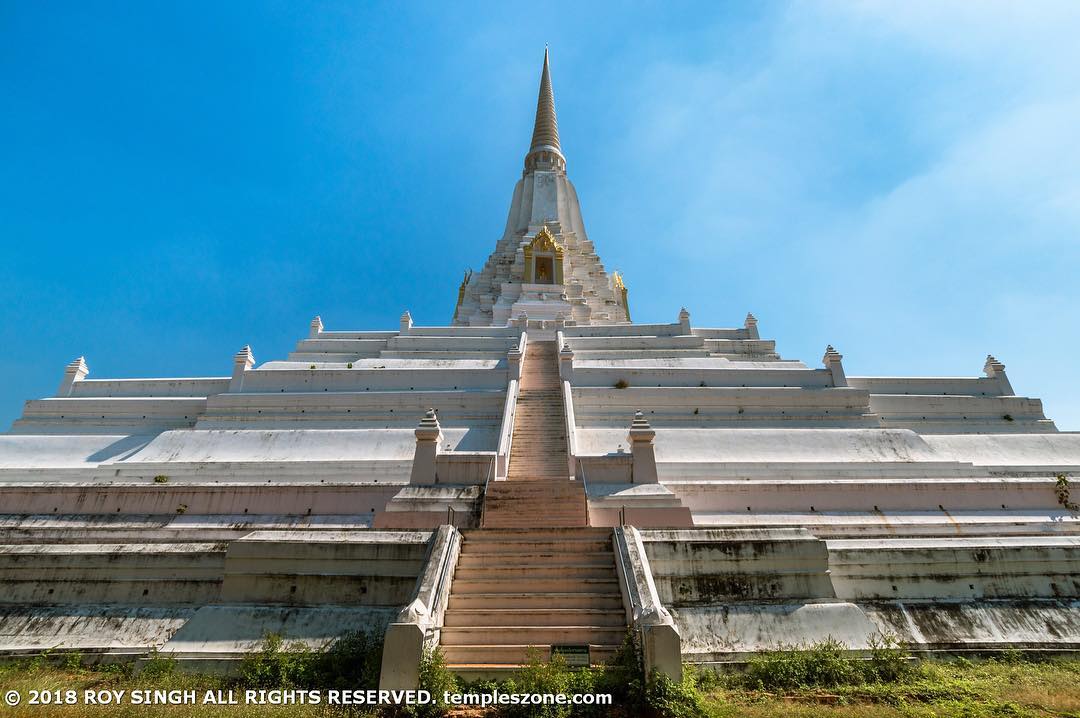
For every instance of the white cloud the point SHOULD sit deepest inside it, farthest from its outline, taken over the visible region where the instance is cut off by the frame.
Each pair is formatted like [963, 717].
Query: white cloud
[895, 161]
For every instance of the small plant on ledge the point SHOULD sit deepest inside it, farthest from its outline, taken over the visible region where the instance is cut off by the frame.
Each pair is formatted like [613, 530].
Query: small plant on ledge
[1061, 488]
[622, 384]
[161, 479]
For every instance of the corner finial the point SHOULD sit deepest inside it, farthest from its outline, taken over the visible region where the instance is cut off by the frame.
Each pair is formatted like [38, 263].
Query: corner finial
[316, 327]
[643, 468]
[834, 362]
[243, 360]
[992, 367]
[750, 325]
[996, 370]
[73, 372]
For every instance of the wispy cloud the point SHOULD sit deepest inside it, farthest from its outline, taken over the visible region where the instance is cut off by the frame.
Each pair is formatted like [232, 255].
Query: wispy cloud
[912, 168]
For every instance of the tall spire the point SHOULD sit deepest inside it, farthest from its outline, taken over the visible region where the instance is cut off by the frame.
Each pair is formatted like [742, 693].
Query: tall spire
[545, 152]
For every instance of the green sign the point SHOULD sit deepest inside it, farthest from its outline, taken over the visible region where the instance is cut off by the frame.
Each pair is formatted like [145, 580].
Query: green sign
[573, 654]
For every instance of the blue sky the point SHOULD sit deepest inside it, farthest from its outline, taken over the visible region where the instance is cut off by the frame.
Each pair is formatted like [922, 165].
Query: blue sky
[901, 180]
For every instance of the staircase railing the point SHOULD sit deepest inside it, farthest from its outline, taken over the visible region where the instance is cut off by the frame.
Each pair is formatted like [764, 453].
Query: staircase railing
[645, 613]
[585, 492]
[483, 498]
[570, 421]
[506, 430]
[418, 625]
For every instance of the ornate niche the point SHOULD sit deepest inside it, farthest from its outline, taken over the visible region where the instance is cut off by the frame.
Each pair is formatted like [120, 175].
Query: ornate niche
[544, 259]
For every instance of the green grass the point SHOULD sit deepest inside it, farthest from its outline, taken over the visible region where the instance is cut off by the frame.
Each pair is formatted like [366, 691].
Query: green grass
[1007, 687]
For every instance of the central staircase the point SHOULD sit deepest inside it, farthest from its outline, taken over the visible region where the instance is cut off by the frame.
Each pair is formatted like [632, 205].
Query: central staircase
[514, 589]
[538, 491]
[535, 574]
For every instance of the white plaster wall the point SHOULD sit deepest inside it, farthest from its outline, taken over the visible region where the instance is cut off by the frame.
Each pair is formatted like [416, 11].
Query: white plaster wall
[1058, 451]
[101, 627]
[217, 632]
[58, 451]
[276, 445]
[828, 446]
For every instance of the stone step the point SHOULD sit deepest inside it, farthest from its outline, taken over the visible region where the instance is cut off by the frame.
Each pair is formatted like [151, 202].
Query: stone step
[535, 477]
[534, 584]
[528, 573]
[540, 507]
[523, 478]
[495, 552]
[525, 601]
[537, 559]
[544, 503]
[518, 478]
[538, 501]
[531, 635]
[525, 490]
[463, 658]
[502, 616]
[538, 488]
[564, 485]
[538, 512]
[525, 533]
[551, 470]
[541, 456]
[550, 439]
[567, 535]
[539, 450]
[554, 448]
[555, 502]
[507, 522]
